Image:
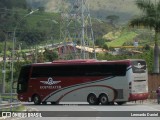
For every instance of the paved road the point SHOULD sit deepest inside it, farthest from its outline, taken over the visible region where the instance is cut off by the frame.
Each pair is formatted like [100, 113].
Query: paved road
[122, 110]
[97, 111]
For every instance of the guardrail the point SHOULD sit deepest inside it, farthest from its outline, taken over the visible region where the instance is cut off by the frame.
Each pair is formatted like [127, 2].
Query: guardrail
[8, 97]
[8, 94]
[9, 106]
[8, 101]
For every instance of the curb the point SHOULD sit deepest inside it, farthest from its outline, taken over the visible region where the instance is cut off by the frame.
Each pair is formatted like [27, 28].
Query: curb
[148, 101]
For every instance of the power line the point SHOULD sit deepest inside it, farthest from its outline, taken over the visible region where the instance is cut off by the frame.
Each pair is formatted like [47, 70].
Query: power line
[76, 26]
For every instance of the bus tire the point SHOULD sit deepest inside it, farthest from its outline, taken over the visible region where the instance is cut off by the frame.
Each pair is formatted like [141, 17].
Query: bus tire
[54, 103]
[36, 100]
[92, 99]
[44, 103]
[103, 99]
[121, 103]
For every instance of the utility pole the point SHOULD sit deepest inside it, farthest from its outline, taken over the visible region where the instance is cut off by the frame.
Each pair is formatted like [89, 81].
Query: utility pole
[4, 64]
[83, 25]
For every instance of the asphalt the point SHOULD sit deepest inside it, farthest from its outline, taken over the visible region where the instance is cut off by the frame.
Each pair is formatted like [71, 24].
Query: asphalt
[148, 101]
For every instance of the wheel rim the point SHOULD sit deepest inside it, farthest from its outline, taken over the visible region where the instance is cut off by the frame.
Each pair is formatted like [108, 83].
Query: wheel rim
[92, 99]
[103, 99]
[36, 100]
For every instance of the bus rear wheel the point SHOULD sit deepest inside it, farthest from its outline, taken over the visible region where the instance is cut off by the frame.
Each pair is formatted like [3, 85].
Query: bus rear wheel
[121, 103]
[103, 99]
[37, 100]
[92, 99]
[54, 103]
[44, 103]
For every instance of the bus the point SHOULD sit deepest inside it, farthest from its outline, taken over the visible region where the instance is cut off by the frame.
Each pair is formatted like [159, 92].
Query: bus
[93, 81]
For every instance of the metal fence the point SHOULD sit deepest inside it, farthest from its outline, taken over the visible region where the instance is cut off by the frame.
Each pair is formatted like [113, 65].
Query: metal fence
[7, 103]
[9, 106]
[8, 97]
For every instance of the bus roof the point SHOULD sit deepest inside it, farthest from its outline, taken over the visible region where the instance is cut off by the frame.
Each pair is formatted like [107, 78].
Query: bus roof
[92, 61]
[87, 61]
[76, 61]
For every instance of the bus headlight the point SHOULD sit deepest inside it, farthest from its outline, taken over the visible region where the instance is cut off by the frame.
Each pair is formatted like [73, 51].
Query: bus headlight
[21, 98]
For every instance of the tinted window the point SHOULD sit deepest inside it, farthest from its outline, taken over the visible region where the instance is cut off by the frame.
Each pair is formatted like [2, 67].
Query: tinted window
[79, 70]
[23, 79]
[139, 66]
[24, 73]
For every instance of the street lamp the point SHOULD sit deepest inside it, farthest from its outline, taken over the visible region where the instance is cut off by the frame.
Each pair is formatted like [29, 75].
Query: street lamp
[13, 47]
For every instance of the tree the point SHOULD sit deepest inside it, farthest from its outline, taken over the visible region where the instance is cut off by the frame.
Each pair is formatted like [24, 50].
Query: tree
[32, 37]
[112, 19]
[41, 9]
[105, 47]
[13, 3]
[50, 55]
[100, 42]
[149, 19]
[2, 36]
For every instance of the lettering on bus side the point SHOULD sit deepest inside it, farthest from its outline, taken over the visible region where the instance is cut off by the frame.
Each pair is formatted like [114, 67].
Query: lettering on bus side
[49, 84]
[50, 87]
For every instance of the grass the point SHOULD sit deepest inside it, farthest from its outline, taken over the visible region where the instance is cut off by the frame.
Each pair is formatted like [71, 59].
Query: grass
[16, 108]
[8, 97]
[124, 37]
[44, 18]
[19, 108]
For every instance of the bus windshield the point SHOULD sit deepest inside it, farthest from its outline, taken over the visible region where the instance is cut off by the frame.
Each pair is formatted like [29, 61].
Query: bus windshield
[23, 79]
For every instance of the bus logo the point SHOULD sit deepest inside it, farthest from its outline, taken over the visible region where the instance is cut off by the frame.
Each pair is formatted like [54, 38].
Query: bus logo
[50, 82]
[139, 66]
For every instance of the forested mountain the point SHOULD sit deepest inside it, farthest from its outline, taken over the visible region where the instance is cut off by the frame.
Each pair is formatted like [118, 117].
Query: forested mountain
[37, 27]
[13, 3]
[125, 9]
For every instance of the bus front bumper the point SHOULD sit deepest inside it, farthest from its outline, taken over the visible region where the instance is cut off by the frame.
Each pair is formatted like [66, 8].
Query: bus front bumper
[23, 98]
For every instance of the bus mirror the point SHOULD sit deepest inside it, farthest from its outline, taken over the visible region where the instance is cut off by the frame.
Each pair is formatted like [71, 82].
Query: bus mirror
[14, 85]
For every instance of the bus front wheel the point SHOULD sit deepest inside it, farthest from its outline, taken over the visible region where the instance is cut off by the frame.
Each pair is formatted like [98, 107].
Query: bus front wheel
[92, 99]
[37, 100]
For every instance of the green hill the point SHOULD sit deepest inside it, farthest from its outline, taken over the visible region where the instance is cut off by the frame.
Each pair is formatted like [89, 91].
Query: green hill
[123, 38]
[125, 9]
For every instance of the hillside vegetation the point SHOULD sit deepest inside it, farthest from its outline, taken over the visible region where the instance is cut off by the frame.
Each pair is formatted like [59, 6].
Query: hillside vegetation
[42, 27]
[125, 9]
[124, 37]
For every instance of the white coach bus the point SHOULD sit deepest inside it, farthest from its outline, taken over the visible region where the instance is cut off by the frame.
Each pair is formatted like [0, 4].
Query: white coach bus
[92, 81]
